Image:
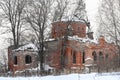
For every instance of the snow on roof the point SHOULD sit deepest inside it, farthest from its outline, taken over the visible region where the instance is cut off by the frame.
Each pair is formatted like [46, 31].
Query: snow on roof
[27, 46]
[51, 39]
[76, 38]
[88, 59]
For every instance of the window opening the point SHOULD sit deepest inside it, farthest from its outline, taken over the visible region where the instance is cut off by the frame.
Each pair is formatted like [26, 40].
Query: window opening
[15, 60]
[28, 59]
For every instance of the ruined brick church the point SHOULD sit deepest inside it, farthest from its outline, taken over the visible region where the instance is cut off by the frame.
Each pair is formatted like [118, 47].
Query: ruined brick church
[71, 46]
[22, 58]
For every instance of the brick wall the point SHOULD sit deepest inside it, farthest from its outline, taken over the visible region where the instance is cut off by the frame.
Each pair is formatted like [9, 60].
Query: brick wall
[59, 29]
[79, 48]
[21, 63]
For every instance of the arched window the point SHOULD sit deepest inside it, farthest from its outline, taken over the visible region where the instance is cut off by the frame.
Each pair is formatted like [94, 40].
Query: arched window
[83, 57]
[94, 56]
[15, 60]
[78, 31]
[74, 57]
[28, 59]
[106, 56]
[101, 55]
[82, 29]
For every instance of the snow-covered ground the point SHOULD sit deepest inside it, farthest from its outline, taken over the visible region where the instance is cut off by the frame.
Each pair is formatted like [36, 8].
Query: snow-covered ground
[92, 76]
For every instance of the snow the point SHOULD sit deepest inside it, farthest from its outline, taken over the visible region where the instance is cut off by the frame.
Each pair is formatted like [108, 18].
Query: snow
[27, 46]
[51, 39]
[91, 76]
[88, 59]
[46, 67]
[76, 38]
[31, 69]
[88, 65]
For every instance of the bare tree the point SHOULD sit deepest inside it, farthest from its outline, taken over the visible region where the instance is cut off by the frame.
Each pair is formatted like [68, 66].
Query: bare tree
[40, 13]
[60, 9]
[65, 11]
[80, 11]
[12, 12]
[80, 14]
[4, 61]
[38, 16]
[109, 21]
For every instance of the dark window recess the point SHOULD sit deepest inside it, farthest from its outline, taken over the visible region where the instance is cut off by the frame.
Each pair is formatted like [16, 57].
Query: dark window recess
[101, 56]
[106, 56]
[78, 29]
[74, 57]
[94, 56]
[83, 58]
[15, 60]
[83, 29]
[28, 59]
[29, 48]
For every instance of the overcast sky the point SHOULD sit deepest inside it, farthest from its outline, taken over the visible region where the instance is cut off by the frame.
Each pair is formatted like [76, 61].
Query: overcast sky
[91, 7]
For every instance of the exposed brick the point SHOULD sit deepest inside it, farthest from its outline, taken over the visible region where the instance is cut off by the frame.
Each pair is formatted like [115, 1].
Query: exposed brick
[59, 29]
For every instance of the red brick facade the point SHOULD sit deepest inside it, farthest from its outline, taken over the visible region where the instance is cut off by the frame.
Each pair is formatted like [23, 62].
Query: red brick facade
[72, 47]
[19, 60]
[77, 53]
[59, 29]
